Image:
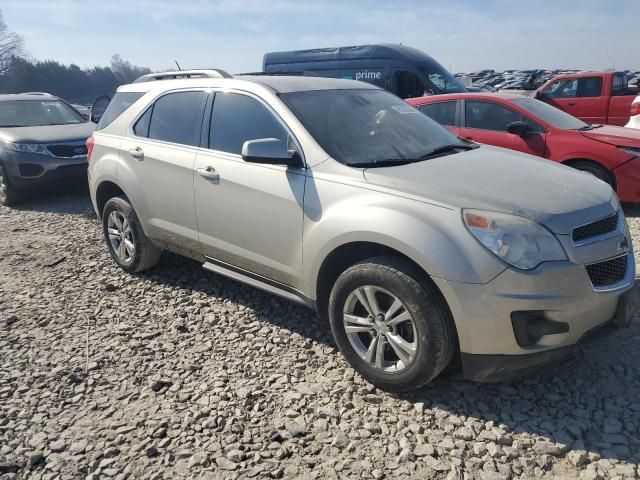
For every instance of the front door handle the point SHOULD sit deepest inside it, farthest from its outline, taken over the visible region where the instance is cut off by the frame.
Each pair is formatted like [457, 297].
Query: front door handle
[468, 138]
[137, 153]
[572, 104]
[209, 173]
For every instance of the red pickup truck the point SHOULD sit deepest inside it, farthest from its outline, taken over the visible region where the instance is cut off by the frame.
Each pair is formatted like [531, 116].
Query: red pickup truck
[593, 97]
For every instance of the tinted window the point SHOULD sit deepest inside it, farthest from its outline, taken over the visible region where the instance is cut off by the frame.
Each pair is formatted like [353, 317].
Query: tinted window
[489, 116]
[361, 127]
[589, 87]
[409, 85]
[141, 128]
[442, 112]
[176, 118]
[549, 114]
[620, 85]
[237, 118]
[119, 103]
[30, 113]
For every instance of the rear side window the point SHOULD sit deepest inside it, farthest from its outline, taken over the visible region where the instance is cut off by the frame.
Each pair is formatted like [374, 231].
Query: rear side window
[489, 116]
[119, 104]
[589, 87]
[176, 118]
[442, 112]
[237, 118]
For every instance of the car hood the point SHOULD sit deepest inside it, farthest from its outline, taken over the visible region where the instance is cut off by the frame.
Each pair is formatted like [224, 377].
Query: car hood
[619, 136]
[496, 179]
[48, 133]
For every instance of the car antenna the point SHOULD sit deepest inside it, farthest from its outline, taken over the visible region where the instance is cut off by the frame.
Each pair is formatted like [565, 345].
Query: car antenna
[178, 65]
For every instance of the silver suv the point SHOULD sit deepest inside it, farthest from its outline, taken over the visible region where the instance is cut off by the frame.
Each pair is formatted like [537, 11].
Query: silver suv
[418, 248]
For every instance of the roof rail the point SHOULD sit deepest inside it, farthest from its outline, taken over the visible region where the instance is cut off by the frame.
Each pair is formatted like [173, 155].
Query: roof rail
[37, 93]
[182, 74]
[293, 73]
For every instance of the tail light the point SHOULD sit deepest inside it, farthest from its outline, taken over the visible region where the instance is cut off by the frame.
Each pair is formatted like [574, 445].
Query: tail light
[90, 143]
[635, 109]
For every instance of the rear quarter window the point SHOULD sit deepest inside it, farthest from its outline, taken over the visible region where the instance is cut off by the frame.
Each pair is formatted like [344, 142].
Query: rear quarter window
[119, 104]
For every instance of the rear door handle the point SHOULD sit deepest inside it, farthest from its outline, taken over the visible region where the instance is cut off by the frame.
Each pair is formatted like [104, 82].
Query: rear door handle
[468, 138]
[209, 173]
[137, 153]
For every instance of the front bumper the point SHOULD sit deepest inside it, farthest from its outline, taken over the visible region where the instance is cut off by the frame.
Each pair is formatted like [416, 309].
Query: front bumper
[29, 170]
[560, 292]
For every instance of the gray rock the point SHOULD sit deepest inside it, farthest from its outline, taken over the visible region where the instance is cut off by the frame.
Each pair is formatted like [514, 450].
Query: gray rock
[340, 441]
[78, 447]
[226, 464]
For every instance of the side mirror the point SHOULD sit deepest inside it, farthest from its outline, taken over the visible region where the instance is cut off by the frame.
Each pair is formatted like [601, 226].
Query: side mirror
[270, 151]
[100, 104]
[519, 128]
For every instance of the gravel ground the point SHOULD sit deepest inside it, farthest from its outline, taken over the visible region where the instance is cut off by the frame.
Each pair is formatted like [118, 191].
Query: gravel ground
[179, 373]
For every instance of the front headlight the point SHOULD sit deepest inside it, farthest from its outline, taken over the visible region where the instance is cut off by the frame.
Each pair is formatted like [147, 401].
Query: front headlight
[518, 241]
[631, 151]
[26, 148]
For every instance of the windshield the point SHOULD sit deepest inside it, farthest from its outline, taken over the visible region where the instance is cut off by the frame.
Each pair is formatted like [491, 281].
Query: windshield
[441, 79]
[549, 114]
[32, 113]
[358, 127]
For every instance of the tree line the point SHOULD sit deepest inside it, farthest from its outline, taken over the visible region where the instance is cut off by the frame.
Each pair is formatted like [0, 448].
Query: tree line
[19, 74]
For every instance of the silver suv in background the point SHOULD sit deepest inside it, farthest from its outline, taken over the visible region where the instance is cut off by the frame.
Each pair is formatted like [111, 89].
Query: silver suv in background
[42, 140]
[416, 246]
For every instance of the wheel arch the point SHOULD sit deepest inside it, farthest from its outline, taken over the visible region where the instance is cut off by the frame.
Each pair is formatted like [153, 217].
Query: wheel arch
[571, 162]
[107, 190]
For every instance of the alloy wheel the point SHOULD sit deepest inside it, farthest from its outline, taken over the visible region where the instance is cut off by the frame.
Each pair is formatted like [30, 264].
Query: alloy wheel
[380, 329]
[121, 237]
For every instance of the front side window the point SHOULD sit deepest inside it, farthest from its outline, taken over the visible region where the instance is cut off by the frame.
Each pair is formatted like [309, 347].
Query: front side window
[489, 116]
[442, 112]
[237, 118]
[363, 127]
[32, 113]
[620, 85]
[176, 118]
[120, 102]
[565, 88]
[550, 114]
[409, 85]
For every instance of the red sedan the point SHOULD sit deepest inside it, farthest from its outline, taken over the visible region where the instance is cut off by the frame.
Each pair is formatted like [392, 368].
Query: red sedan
[531, 126]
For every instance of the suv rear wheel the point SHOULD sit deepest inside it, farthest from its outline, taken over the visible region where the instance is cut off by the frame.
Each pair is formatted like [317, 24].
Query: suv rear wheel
[9, 196]
[391, 324]
[127, 243]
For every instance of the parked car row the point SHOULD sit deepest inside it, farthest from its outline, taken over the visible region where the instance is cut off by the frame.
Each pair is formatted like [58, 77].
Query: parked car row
[526, 79]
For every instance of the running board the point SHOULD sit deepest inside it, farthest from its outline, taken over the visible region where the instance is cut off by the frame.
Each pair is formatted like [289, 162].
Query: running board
[258, 281]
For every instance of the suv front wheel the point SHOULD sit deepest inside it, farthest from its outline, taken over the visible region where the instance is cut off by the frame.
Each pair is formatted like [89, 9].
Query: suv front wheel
[391, 324]
[8, 194]
[127, 243]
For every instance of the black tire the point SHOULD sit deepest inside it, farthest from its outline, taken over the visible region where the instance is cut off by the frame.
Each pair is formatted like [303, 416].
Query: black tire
[145, 254]
[435, 335]
[594, 169]
[9, 195]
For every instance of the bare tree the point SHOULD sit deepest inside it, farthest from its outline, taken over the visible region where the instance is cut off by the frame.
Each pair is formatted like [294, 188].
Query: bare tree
[11, 45]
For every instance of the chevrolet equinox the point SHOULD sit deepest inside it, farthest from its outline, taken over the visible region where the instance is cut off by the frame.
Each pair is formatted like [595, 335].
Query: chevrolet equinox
[417, 246]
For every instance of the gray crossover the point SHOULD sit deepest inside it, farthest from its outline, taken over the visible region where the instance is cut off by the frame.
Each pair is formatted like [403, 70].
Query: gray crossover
[42, 140]
[419, 248]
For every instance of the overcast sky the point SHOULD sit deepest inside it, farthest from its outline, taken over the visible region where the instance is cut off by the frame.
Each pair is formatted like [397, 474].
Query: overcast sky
[463, 35]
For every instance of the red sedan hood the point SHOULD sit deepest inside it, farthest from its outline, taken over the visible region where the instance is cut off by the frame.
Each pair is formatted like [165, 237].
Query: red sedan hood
[619, 136]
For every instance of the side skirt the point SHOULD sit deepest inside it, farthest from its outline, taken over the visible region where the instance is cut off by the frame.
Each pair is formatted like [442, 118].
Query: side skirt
[258, 281]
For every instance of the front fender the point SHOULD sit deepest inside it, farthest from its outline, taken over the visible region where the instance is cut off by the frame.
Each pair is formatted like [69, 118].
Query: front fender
[432, 236]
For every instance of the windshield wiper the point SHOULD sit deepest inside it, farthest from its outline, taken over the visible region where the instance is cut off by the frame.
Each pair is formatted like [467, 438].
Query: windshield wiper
[391, 162]
[589, 127]
[445, 149]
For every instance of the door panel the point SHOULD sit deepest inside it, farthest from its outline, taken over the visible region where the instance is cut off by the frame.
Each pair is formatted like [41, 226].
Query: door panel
[251, 215]
[534, 144]
[161, 186]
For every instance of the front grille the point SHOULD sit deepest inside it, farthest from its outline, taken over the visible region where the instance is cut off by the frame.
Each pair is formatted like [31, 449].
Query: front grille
[607, 273]
[67, 151]
[595, 229]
